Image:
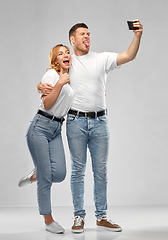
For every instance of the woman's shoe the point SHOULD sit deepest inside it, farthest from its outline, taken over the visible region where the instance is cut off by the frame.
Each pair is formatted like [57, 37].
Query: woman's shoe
[26, 180]
[54, 227]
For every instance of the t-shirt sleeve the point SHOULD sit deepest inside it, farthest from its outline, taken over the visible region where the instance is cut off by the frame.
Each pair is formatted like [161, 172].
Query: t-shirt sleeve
[51, 77]
[111, 62]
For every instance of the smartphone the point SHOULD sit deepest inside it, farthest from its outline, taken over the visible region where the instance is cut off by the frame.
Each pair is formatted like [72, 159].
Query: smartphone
[130, 25]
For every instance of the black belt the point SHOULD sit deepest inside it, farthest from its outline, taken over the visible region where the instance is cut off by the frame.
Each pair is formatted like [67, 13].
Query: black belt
[87, 114]
[45, 114]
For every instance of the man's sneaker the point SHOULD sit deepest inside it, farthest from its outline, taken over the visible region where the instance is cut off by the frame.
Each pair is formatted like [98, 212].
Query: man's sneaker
[105, 223]
[78, 226]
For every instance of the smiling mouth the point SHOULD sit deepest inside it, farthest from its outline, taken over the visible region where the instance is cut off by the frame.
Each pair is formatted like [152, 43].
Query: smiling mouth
[66, 62]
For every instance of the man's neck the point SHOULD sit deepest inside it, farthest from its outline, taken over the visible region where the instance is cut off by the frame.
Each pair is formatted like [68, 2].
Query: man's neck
[80, 53]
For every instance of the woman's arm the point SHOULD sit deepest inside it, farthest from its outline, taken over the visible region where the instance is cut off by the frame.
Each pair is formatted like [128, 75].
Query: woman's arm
[51, 98]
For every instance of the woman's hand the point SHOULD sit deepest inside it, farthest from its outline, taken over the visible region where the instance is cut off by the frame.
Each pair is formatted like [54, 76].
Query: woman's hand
[50, 99]
[64, 78]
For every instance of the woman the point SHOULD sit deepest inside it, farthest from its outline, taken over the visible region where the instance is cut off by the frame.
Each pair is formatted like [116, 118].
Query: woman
[44, 134]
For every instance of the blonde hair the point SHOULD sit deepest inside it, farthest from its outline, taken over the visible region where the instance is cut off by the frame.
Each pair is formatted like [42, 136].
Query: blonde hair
[52, 57]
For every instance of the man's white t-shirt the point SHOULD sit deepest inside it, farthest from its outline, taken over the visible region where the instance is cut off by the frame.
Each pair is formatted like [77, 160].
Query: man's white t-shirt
[65, 98]
[88, 75]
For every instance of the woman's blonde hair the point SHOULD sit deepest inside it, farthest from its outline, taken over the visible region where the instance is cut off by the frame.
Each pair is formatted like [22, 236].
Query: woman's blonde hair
[52, 57]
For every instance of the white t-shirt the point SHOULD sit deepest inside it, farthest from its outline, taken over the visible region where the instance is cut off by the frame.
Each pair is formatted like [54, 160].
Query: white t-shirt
[88, 75]
[65, 98]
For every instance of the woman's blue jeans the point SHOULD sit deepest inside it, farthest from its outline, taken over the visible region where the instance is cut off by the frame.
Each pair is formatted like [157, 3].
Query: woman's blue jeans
[45, 145]
[92, 133]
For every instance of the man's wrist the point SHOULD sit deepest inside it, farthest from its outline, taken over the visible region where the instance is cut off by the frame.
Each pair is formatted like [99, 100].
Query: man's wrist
[39, 87]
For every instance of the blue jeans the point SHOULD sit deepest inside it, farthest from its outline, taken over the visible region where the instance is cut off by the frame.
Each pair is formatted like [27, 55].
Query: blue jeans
[92, 133]
[45, 145]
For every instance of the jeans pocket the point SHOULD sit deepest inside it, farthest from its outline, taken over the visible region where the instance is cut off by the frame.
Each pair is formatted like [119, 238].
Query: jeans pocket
[27, 131]
[31, 125]
[70, 118]
[103, 119]
[43, 119]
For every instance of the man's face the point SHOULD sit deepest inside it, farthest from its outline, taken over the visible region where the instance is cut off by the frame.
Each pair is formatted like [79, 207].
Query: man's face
[81, 41]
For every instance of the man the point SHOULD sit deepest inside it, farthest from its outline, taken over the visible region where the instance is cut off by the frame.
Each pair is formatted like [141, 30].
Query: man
[87, 123]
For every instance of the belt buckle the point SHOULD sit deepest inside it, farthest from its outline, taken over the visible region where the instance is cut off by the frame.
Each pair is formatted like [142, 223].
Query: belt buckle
[86, 115]
[62, 120]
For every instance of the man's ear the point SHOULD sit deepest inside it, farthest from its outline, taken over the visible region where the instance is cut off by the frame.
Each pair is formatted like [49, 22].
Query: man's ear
[72, 40]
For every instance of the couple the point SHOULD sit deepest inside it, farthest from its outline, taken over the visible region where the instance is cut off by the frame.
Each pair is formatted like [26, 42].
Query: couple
[79, 92]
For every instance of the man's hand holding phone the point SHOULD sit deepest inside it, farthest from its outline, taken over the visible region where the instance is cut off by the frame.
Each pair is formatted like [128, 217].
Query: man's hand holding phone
[136, 26]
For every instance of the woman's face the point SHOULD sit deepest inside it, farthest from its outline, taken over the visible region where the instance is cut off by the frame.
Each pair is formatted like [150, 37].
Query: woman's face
[64, 58]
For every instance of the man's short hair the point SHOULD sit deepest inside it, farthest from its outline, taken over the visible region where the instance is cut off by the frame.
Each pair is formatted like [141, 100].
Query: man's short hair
[76, 26]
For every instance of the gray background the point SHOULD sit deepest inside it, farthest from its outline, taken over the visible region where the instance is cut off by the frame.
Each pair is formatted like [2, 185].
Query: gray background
[136, 95]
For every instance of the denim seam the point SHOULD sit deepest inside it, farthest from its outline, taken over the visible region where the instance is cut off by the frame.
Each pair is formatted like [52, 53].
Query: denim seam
[36, 154]
[39, 202]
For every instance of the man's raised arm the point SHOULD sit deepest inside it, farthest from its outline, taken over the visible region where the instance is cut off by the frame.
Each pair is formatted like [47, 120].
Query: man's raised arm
[132, 51]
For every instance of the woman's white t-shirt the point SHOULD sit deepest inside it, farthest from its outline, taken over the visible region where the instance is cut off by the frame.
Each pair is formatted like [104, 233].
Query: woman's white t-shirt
[65, 98]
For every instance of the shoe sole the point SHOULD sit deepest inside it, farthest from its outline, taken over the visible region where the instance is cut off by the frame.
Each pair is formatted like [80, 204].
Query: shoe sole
[110, 229]
[77, 231]
[59, 232]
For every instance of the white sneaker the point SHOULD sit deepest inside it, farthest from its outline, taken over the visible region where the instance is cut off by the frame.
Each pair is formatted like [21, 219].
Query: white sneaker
[26, 180]
[54, 227]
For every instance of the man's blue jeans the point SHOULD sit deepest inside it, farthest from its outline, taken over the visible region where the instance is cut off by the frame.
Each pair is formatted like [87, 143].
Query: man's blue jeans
[45, 145]
[92, 133]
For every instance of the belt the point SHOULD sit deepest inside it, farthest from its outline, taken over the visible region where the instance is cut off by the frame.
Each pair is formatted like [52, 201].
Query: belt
[45, 114]
[87, 114]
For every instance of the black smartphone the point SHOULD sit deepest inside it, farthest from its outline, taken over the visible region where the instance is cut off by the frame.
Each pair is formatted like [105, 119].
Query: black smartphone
[130, 25]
